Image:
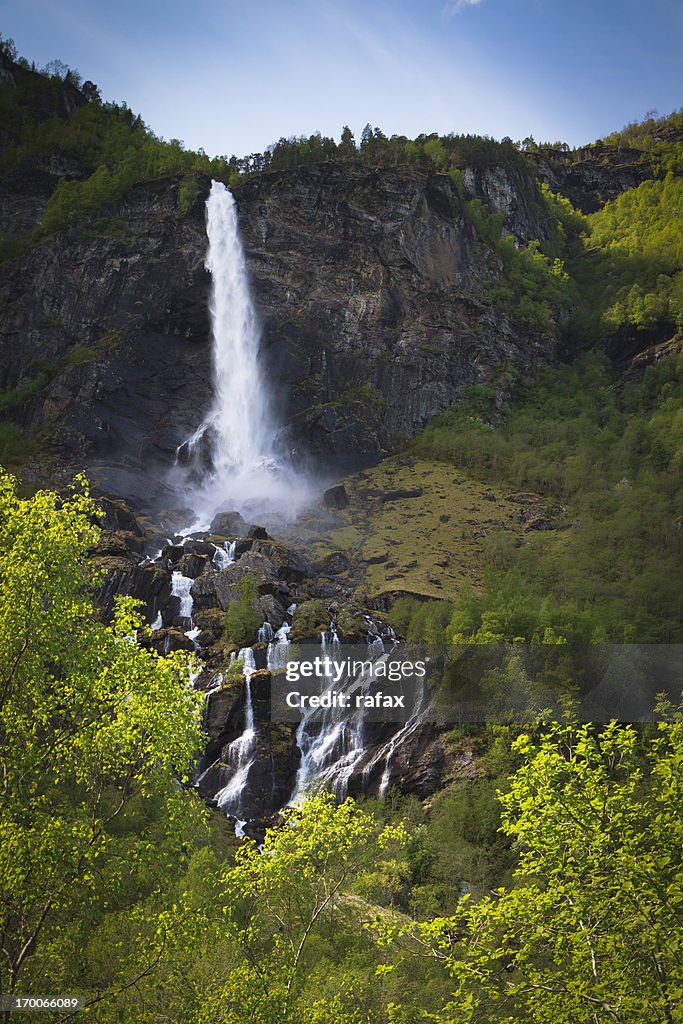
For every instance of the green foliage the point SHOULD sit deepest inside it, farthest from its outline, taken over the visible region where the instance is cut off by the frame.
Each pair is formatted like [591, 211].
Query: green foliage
[567, 225]
[363, 394]
[616, 460]
[243, 617]
[109, 145]
[96, 733]
[531, 287]
[310, 618]
[15, 447]
[188, 192]
[14, 398]
[12, 248]
[286, 907]
[421, 621]
[631, 272]
[655, 140]
[590, 930]
[80, 354]
[49, 319]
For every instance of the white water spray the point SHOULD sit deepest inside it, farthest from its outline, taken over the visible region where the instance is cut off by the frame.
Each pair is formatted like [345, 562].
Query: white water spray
[238, 418]
[235, 447]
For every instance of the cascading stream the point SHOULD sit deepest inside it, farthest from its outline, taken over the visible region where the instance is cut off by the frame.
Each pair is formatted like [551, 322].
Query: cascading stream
[241, 751]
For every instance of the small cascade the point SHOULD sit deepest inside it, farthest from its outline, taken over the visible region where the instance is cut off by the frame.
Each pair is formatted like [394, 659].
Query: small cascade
[241, 751]
[387, 751]
[158, 622]
[225, 555]
[195, 672]
[334, 745]
[330, 752]
[266, 634]
[277, 649]
[331, 745]
[375, 646]
[181, 587]
[329, 638]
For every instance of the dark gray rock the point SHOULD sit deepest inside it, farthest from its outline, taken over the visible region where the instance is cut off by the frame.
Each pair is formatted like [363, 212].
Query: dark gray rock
[166, 640]
[401, 495]
[228, 524]
[335, 497]
[333, 564]
[378, 559]
[149, 583]
[193, 565]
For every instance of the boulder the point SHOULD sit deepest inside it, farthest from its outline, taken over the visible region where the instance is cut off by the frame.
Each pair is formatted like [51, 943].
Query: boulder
[377, 559]
[117, 544]
[165, 641]
[402, 494]
[149, 583]
[254, 564]
[333, 564]
[193, 565]
[204, 592]
[118, 517]
[228, 524]
[172, 553]
[335, 497]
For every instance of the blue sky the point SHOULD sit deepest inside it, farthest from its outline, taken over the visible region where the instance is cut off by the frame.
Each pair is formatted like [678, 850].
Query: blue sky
[235, 75]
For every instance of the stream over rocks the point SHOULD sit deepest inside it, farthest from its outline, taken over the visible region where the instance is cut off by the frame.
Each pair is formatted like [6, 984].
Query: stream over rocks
[229, 471]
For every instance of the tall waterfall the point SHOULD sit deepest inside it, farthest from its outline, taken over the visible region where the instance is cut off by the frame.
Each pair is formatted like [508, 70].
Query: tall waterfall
[232, 456]
[238, 419]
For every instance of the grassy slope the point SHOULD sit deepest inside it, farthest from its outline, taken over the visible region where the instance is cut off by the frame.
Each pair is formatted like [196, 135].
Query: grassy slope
[428, 544]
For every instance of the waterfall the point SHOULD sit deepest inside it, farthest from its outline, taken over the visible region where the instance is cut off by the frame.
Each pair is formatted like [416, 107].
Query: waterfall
[277, 648]
[266, 634]
[238, 418]
[241, 751]
[232, 460]
[225, 555]
[180, 588]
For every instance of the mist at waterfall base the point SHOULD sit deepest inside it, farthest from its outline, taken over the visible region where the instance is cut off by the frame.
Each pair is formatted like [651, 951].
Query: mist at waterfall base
[234, 461]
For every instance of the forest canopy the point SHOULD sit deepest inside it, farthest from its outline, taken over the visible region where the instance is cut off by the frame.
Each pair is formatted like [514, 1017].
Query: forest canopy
[115, 888]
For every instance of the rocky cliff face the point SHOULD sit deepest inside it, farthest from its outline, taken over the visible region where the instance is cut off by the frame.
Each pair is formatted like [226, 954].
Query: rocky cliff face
[370, 287]
[369, 284]
[114, 327]
[592, 177]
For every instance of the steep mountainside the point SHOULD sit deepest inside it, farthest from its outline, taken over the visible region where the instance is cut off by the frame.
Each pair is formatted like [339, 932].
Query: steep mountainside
[394, 282]
[374, 285]
[389, 278]
[369, 284]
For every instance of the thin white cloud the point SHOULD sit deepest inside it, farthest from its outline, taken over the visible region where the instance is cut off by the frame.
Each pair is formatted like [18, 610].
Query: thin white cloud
[454, 6]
